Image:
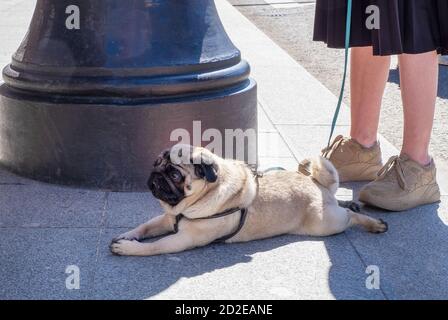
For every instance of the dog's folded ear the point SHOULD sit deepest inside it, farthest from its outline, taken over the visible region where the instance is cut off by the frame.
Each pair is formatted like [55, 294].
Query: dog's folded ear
[206, 169]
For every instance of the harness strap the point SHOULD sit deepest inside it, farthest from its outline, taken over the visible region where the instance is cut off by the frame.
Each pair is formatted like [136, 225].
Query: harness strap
[218, 215]
[348, 26]
[273, 169]
[176, 224]
[240, 226]
[260, 174]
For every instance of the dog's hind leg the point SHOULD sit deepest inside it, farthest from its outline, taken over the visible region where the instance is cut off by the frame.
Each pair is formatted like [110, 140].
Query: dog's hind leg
[337, 219]
[368, 223]
[157, 226]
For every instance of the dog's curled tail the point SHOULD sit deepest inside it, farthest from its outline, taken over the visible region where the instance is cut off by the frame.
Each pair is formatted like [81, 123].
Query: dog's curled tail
[321, 170]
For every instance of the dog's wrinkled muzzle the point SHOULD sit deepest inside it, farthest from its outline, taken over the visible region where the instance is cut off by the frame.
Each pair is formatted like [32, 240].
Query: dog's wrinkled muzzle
[163, 188]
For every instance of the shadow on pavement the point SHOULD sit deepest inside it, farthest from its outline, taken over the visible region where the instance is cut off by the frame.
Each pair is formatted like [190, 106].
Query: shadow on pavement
[412, 256]
[394, 77]
[146, 277]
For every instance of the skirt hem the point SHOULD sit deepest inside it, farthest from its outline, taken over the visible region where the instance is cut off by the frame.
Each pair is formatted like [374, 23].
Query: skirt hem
[440, 50]
[406, 26]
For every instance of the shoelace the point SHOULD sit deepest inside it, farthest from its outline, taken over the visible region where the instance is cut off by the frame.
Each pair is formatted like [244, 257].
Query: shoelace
[394, 163]
[326, 152]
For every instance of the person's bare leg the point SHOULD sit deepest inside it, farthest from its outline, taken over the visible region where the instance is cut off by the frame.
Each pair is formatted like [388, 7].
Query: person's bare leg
[368, 77]
[419, 80]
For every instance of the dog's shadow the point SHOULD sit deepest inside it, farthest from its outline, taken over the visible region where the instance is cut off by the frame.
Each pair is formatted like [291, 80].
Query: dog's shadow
[147, 277]
[411, 258]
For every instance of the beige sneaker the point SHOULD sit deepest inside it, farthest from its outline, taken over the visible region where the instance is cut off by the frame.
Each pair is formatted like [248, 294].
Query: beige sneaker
[402, 184]
[353, 161]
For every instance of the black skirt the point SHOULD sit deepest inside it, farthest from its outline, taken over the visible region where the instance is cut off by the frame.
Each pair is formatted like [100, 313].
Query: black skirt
[405, 26]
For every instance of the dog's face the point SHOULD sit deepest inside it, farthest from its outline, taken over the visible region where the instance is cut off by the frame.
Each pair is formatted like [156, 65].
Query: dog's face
[180, 172]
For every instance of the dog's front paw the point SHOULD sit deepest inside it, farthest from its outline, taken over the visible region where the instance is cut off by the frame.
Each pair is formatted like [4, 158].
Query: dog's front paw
[126, 236]
[380, 226]
[124, 247]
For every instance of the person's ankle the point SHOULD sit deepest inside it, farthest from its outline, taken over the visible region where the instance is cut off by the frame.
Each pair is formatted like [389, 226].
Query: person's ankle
[365, 142]
[422, 159]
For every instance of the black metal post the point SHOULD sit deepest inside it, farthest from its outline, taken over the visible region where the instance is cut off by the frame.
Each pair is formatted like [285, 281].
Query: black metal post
[92, 105]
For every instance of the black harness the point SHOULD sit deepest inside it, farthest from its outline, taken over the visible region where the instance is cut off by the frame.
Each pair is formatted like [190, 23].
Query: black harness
[218, 215]
[227, 212]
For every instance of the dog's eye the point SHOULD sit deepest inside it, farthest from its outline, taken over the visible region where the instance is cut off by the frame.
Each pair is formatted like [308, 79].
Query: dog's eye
[176, 176]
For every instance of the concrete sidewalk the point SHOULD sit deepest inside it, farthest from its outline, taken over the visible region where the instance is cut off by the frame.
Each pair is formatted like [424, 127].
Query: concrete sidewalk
[44, 228]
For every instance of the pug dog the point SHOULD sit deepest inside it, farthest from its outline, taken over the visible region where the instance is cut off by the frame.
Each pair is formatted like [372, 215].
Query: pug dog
[206, 197]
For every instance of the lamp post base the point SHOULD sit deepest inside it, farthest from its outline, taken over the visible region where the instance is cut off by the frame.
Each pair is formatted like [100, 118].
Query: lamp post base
[106, 146]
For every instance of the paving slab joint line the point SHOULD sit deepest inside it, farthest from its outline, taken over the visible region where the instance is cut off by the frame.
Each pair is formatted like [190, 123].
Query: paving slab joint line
[363, 262]
[278, 132]
[102, 227]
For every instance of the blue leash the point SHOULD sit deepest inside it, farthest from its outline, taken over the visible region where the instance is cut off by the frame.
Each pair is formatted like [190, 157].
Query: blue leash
[348, 26]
